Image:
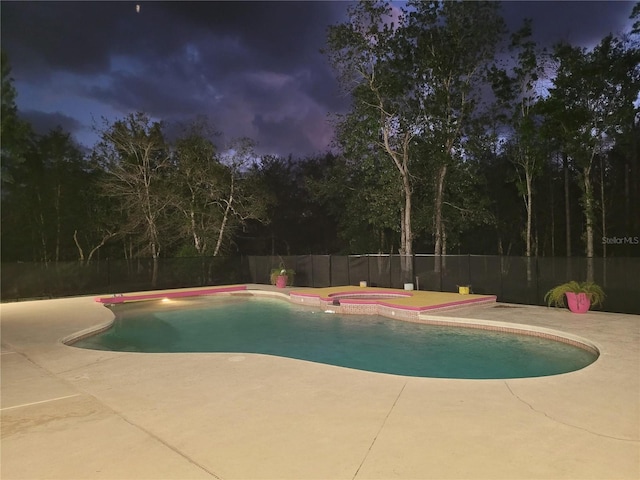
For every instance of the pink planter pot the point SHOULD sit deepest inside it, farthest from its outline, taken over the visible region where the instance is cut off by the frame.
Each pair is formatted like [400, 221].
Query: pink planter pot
[578, 302]
[281, 281]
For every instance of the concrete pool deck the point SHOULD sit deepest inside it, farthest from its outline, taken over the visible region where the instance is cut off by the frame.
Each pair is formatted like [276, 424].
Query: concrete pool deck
[81, 414]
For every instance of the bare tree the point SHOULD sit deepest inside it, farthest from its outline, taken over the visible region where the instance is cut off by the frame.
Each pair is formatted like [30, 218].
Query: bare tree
[136, 158]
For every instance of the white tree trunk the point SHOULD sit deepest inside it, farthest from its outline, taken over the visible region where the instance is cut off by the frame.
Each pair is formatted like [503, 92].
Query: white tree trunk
[588, 217]
[438, 222]
[225, 218]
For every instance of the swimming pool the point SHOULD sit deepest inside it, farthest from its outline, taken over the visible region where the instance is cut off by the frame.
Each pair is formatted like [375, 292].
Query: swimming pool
[246, 324]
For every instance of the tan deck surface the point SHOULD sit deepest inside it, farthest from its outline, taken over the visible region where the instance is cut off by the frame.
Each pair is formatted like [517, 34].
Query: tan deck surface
[417, 298]
[69, 413]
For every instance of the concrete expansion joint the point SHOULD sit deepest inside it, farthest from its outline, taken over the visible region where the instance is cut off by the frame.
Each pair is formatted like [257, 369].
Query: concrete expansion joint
[100, 361]
[630, 440]
[379, 430]
[160, 440]
[114, 411]
[7, 348]
[48, 400]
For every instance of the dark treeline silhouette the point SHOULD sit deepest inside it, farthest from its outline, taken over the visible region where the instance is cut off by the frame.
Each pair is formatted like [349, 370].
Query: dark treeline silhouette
[528, 171]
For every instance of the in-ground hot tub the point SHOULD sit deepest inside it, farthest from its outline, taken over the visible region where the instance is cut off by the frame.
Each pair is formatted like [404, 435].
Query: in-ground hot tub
[403, 304]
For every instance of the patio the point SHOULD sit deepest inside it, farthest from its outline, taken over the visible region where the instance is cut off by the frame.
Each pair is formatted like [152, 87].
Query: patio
[73, 413]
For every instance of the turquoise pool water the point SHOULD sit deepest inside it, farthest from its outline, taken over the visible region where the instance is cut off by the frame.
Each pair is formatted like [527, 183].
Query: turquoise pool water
[371, 343]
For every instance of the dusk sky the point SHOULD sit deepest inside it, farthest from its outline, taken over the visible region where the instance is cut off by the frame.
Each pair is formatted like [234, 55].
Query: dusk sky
[254, 68]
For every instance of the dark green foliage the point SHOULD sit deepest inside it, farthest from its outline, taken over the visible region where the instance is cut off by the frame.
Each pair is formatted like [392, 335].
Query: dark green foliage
[429, 69]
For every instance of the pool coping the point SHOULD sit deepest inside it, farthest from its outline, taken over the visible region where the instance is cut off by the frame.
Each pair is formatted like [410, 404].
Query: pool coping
[505, 327]
[171, 293]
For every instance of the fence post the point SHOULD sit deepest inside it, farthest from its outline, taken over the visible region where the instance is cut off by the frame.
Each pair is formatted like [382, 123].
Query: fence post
[331, 270]
[501, 280]
[413, 270]
[537, 302]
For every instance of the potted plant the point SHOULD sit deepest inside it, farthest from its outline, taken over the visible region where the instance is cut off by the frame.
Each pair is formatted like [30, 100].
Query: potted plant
[580, 296]
[280, 276]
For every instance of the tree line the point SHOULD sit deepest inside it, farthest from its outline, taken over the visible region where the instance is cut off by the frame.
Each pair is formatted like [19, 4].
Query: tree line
[461, 137]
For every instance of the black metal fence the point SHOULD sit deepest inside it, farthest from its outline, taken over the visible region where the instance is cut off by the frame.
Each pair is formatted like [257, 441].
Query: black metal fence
[513, 279]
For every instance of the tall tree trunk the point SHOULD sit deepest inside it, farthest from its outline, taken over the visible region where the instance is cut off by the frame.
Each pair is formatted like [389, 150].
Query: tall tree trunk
[81, 257]
[224, 219]
[634, 191]
[553, 221]
[528, 202]
[567, 205]
[439, 228]
[58, 222]
[154, 255]
[627, 196]
[43, 240]
[194, 232]
[406, 249]
[80, 251]
[604, 223]
[401, 161]
[588, 216]
[444, 241]
[529, 205]
[603, 209]
[406, 240]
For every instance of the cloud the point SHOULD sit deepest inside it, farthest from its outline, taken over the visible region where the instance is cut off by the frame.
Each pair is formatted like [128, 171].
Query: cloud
[48, 36]
[253, 68]
[232, 61]
[43, 123]
[582, 23]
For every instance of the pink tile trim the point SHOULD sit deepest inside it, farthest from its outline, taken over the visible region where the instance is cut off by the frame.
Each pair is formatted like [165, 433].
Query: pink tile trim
[487, 299]
[169, 294]
[369, 293]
